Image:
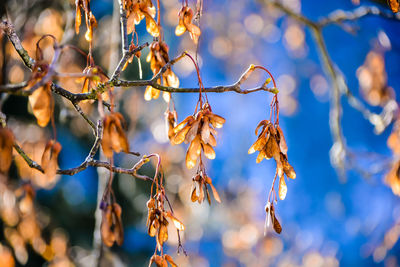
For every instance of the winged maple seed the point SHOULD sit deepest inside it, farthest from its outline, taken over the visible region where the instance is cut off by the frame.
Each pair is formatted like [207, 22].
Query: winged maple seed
[271, 218]
[94, 75]
[201, 180]
[157, 219]
[136, 11]
[158, 57]
[162, 261]
[114, 137]
[111, 224]
[271, 144]
[50, 159]
[40, 100]
[199, 131]
[89, 18]
[6, 146]
[185, 24]
[394, 5]
[132, 47]
[170, 119]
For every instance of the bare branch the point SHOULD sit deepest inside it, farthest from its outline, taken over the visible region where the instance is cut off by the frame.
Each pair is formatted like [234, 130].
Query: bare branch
[338, 151]
[13, 37]
[340, 16]
[124, 35]
[28, 160]
[14, 88]
[84, 116]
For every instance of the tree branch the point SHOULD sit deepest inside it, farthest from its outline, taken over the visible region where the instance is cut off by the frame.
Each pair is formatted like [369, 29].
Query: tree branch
[338, 151]
[340, 16]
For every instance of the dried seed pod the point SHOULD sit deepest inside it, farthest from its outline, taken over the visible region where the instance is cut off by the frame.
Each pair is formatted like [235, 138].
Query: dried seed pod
[170, 120]
[169, 259]
[208, 151]
[114, 137]
[178, 224]
[287, 168]
[50, 159]
[271, 148]
[158, 57]
[107, 234]
[282, 142]
[111, 225]
[275, 223]
[40, 101]
[282, 188]
[185, 24]
[258, 145]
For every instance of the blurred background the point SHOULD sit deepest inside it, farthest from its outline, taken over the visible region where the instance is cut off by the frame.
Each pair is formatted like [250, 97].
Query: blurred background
[327, 220]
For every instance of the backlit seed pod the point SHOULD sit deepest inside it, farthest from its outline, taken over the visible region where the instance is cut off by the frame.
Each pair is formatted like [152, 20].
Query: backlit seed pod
[185, 24]
[41, 101]
[114, 137]
[287, 168]
[199, 131]
[197, 193]
[50, 159]
[136, 11]
[170, 120]
[111, 225]
[6, 146]
[282, 188]
[158, 57]
[269, 208]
